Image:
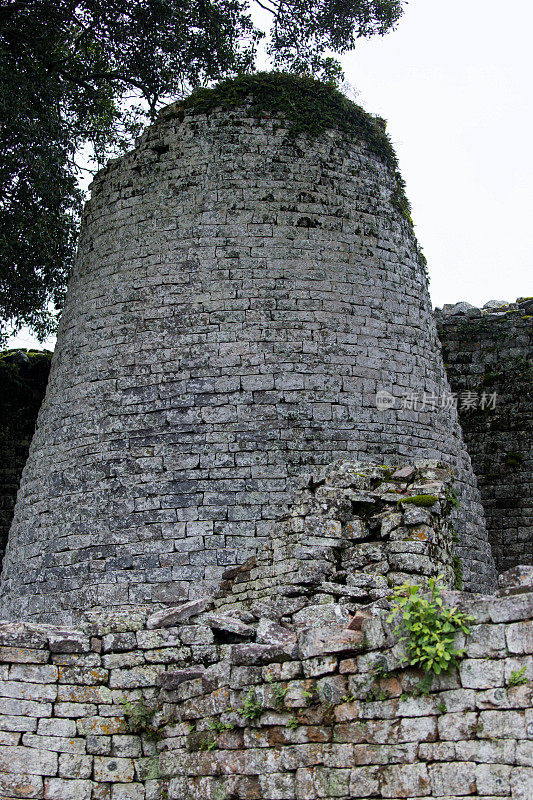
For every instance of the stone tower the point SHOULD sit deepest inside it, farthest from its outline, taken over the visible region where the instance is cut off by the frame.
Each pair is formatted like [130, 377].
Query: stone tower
[247, 282]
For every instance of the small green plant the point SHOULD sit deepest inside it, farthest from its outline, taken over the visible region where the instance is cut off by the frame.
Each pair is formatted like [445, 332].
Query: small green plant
[376, 693]
[292, 723]
[451, 497]
[517, 677]
[328, 711]
[219, 726]
[423, 687]
[349, 698]
[140, 719]
[251, 708]
[428, 627]
[458, 572]
[207, 743]
[441, 708]
[380, 670]
[279, 693]
[310, 694]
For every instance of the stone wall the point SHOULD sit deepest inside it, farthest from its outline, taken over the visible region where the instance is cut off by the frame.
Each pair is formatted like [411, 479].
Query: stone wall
[488, 352]
[170, 708]
[485, 351]
[242, 295]
[23, 378]
[283, 686]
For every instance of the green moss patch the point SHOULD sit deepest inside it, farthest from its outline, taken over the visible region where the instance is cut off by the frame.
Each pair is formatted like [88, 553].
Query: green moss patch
[420, 499]
[310, 107]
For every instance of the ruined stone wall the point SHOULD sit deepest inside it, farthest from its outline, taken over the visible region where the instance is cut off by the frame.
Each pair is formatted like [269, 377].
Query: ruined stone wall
[489, 352]
[284, 685]
[241, 296]
[485, 351]
[23, 378]
[195, 709]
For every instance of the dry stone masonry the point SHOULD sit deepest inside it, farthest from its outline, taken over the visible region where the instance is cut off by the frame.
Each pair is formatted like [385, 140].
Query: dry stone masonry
[234, 466]
[489, 353]
[244, 291]
[353, 532]
[300, 698]
[471, 344]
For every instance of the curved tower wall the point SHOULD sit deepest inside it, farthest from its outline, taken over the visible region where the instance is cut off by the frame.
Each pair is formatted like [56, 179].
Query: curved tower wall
[239, 298]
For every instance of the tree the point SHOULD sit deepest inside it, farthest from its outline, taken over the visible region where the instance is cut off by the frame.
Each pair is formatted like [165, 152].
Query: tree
[78, 76]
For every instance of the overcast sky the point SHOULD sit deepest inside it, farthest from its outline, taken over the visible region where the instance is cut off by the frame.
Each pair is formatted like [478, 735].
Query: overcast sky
[455, 83]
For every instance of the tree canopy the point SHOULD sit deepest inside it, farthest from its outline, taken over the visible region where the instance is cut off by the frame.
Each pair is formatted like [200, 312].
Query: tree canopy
[85, 76]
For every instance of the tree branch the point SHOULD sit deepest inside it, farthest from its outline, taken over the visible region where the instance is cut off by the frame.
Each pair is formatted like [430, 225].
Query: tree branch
[270, 10]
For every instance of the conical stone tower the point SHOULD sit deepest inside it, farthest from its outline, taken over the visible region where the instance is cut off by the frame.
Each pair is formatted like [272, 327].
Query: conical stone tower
[247, 283]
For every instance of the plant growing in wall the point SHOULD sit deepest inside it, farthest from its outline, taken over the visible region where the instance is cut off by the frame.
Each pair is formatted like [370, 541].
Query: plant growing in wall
[251, 709]
[428, 627]
[140, 719]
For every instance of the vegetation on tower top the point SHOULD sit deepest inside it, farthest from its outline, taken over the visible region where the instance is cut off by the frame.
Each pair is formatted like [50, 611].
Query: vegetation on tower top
[310, 106]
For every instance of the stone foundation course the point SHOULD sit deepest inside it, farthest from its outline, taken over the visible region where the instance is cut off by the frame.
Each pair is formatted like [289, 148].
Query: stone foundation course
[315, 704]
[290, 682]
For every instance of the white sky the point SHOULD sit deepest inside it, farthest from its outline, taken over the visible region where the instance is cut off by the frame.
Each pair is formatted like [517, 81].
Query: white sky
[455, 83]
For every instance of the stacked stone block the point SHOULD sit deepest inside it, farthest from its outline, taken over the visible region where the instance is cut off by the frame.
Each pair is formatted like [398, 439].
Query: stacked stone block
[241, 297]
[488, 354]
[144, 706]
[352, 532]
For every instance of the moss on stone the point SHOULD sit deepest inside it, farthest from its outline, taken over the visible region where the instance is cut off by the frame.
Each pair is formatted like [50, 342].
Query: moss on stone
[310, 107]
[420, 499]
[514, 459]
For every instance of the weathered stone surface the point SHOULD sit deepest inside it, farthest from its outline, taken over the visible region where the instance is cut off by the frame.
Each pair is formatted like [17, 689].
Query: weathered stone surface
[226, 624]
[28, 760]
[511, 609]
[22, 635]
[329, 639]
[68, 641]
[519, 637]
[168, 617]
[113, 770]
[405, 781]
[458, 779]
[268, 632]
[60, 789]
[480, 673]
[173, 679]
[34, 673]
[516, 580]
[318, 615]
[21, 785]
[261, 653]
